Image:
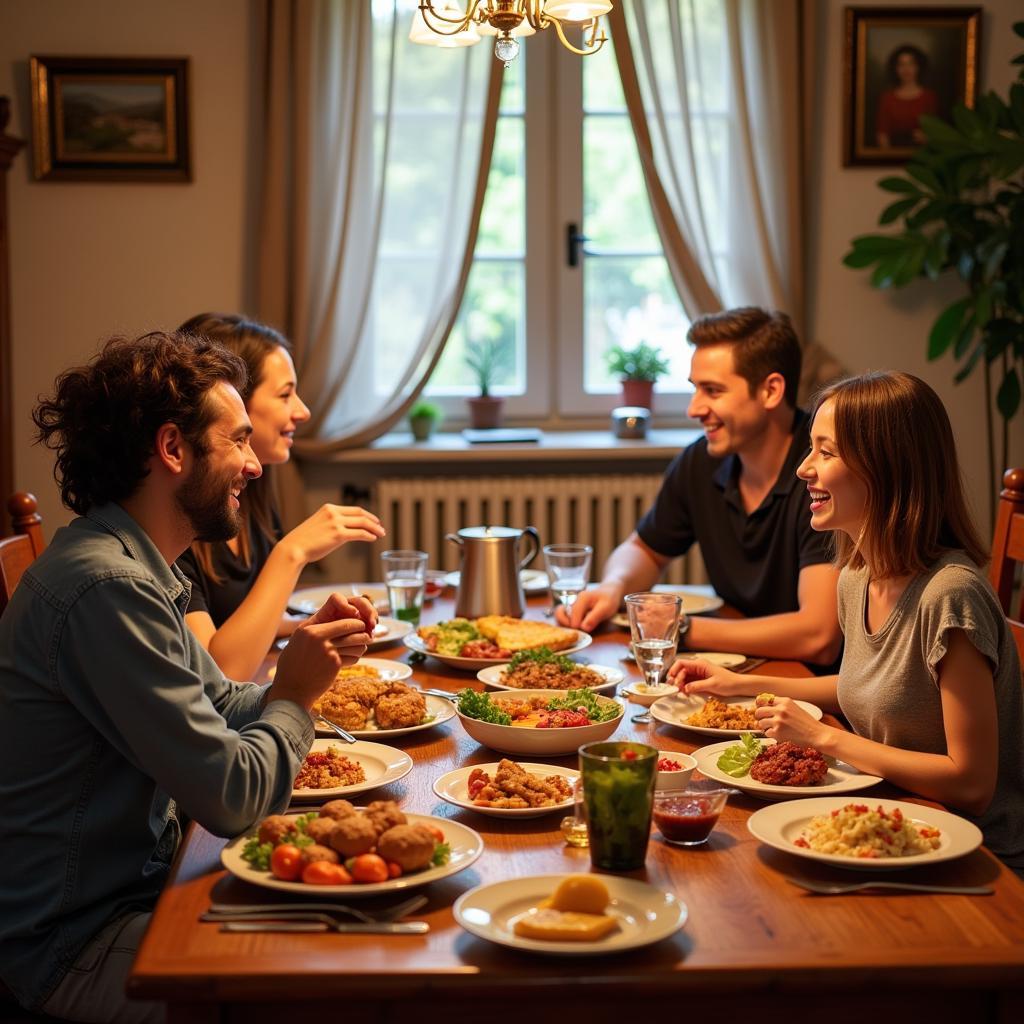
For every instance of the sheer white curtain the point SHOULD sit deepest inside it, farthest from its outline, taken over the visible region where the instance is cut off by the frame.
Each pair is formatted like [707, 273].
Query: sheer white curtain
[713, 92]
[376, 159]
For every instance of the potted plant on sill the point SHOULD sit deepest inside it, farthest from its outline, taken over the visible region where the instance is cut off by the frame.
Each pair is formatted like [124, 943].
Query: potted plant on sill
[638, 369]
[486, 357]
[423, 419]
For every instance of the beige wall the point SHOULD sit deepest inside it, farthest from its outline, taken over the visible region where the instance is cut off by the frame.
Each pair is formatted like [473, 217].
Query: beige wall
[869, 329]
[90, 260]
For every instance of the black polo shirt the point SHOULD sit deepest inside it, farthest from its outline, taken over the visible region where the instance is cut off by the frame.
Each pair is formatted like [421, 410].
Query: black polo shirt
[753, 561]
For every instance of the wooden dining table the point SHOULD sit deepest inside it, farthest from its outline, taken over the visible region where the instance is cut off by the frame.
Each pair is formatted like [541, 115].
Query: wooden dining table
[754, 944]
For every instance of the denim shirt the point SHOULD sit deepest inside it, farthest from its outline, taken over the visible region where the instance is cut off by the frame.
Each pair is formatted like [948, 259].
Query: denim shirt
[111, 716]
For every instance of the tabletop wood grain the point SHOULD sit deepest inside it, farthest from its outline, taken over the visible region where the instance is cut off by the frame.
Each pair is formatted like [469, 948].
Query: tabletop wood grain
[751, 936]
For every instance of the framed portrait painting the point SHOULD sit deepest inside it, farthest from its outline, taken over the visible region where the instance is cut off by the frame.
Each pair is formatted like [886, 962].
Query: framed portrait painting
[110, 118]
[902, 63]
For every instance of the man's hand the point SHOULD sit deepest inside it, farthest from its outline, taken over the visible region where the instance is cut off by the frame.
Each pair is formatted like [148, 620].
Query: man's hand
[592, 607]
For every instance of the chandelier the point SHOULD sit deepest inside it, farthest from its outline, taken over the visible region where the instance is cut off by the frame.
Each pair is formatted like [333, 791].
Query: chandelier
[450, 23]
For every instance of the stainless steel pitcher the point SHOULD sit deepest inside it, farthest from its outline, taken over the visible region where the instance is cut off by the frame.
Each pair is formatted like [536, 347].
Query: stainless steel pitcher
[489, 569]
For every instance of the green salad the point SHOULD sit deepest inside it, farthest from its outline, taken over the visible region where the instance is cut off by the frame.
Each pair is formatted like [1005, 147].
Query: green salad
[481, 707]
[453, 635]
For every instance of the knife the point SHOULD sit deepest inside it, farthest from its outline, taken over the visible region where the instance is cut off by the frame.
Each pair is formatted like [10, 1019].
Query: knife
[247, 924]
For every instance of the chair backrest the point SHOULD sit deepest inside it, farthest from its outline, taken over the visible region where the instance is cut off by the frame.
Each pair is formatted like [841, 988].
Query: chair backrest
[20, 550]
[1008, 551]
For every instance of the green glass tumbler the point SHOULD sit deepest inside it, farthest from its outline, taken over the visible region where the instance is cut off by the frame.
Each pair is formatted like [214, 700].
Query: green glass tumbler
[618, 796]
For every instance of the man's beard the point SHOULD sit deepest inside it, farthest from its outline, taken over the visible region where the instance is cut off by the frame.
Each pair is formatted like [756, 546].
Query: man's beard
[205, 502]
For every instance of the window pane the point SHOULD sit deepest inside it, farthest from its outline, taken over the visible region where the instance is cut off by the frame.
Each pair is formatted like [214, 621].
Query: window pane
[602, 87]
[503, 219]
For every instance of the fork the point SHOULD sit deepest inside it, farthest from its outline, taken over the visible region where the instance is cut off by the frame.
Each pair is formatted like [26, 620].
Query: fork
[838, 888]
[442, 693]
[346, 736]
[316, 923]
[224, 910]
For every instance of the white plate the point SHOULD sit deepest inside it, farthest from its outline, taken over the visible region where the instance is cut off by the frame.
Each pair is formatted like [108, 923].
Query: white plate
[388, 632]
[841, 777]
[438, 710]
[310, 599]
[454, 788]
[415, 642]
[720, 658]
[466, 845]
[697, 600]
[381, 765]
[645, 914]
[533, 581]
[675, 709]
[493, 674]
[779, 825]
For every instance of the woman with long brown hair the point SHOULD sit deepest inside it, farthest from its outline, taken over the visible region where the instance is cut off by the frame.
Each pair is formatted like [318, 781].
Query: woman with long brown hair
[930, 680]
[240, 588]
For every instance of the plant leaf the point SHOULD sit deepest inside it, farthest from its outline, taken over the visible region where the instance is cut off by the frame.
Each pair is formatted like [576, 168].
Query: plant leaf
[897, 209]
[898, 185]
[924, 174]
[965, 371]
[1008, 396]
[946, 328]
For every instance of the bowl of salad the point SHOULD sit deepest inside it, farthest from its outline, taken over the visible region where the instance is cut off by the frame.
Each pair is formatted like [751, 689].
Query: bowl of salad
[538, 722]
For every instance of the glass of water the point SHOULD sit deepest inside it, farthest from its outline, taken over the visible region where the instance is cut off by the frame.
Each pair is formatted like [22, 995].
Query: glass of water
[654, 626]
[405, 574]
[568, 571]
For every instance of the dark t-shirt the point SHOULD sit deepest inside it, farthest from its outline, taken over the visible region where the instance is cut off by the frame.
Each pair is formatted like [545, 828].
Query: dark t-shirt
[753, 561]
[221, 600]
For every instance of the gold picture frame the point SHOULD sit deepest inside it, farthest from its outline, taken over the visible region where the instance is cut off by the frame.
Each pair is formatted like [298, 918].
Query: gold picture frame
[901, 63]
[110, 118]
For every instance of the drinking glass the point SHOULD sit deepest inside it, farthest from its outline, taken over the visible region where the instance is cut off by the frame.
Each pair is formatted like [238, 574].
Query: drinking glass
[618, 797]
[654, 626]
[568, 571]
[405, 574]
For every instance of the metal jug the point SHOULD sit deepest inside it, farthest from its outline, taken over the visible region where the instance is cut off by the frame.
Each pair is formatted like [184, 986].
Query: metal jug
[489, 567]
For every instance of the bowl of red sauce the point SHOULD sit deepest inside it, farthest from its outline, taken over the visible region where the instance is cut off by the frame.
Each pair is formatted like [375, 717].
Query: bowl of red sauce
[688, 816]
[674, 770]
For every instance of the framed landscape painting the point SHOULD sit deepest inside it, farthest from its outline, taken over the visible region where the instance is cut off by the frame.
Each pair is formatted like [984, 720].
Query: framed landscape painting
[110, 118]
[900, 64]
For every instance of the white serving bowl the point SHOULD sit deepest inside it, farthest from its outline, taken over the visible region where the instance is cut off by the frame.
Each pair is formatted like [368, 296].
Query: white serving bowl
[651, 695]
[514, 739]
[675, 780]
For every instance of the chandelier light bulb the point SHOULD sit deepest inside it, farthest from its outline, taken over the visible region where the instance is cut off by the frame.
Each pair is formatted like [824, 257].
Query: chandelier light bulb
[506, 48]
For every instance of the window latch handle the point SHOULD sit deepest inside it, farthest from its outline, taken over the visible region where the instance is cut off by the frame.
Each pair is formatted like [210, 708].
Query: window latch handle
[574, 244]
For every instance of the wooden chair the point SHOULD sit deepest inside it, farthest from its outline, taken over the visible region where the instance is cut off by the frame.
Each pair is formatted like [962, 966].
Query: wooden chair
[1008, 551]
[20, 550]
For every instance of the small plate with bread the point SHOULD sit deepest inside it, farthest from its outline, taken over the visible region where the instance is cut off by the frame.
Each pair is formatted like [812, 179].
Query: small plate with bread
[473, 644]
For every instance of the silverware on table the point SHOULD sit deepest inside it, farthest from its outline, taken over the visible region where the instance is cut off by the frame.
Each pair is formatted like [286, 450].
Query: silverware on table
[442, 693]
[838, 888]
[317, 923]
[383, 914]
[346, 736]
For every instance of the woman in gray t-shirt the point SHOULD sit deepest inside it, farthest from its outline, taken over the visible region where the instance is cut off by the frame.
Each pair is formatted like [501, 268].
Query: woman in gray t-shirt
[930, 680]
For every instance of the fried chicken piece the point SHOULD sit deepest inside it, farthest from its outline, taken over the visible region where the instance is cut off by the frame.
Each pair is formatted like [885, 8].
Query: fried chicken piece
[411, 847]
[311, 854]
[337, 809]
[353, 835]
[385, 814]
[349, 714]
[514, 787]
[275, 828]
[364, 690]
[320, 829]
[400, 707]
[764, 700]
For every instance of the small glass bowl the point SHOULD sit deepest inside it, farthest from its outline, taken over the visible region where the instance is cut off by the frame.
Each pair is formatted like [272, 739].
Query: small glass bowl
[687, 817]
[675, 780]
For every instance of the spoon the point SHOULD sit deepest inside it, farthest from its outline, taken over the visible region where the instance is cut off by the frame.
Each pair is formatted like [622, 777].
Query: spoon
[837, 888]
[346, 736]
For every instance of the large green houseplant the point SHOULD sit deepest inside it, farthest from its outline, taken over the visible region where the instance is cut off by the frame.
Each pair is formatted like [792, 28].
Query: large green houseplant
[960, 206]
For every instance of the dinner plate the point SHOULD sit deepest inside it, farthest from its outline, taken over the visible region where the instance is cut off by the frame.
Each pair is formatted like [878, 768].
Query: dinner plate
[388, 632]
[645, 914]
[841, 777]
[310, 599]
[675, 709]
[779, 825]
[721, 658]
[492, 676]
[381, 765]
[454, 788]
[438, 710]
[466, 845]
[533, 580]
[415, 642]
[697, 600]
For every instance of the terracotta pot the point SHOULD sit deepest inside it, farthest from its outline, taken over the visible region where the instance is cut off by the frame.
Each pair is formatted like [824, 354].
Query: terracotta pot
[638, 392]
[485, 412]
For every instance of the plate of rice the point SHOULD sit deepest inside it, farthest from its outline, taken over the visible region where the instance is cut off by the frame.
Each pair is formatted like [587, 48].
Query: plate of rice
[864, 835]
[544, 670]
[332, 769]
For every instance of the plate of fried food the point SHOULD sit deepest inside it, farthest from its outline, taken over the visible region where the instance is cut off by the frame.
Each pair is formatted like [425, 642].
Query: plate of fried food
[333, 769]
[509, 789]
[371, 702]
[342, 850]
[548, 670]
[570, 915]
[770, 770]
[473, 644]
[715, 716]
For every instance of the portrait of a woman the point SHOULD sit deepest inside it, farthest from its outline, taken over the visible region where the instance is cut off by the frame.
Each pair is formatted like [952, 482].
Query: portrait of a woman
[907, 99]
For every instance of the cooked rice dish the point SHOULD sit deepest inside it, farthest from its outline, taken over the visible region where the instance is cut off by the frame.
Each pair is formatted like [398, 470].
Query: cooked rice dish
[514, 787]
[858, 831]
[551, 676]
[716, 714]
[328, 769]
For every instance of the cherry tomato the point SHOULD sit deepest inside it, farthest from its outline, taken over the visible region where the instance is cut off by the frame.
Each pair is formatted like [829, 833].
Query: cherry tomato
[435, 832]
[286, 862]
[320, 872]
[394, 870]
[629, 755]
[368, 867]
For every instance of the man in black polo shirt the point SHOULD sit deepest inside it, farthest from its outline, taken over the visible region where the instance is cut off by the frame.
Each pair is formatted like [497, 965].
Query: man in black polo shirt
[735, 493]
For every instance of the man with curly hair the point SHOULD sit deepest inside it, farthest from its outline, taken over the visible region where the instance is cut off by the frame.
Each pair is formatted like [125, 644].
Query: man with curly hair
[114, 722]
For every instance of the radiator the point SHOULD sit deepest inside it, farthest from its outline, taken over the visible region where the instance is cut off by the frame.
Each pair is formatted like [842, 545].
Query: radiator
[600, 510]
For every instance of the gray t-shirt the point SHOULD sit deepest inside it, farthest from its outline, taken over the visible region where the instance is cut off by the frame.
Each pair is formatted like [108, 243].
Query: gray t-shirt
[888, 684]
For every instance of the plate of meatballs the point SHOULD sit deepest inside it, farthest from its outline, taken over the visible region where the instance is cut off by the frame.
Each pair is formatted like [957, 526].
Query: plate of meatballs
[784, 771]
[421, 847]
[372, 704]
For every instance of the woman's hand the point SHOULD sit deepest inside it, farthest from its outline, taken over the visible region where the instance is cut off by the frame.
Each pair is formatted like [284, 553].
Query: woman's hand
[783, 719]
[330, 527]
[693, 676]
